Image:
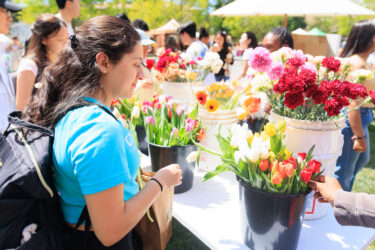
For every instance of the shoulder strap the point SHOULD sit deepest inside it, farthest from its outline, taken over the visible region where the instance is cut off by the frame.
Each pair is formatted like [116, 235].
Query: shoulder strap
[76, 103]
[15, 119]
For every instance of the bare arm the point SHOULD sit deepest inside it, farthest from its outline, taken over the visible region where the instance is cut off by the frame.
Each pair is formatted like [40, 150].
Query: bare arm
[25, 86]
[244, 69]
[112, 218]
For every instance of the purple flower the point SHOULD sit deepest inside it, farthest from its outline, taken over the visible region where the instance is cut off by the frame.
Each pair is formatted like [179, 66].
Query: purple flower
[260, 59]
[150, 120]
[276, 70]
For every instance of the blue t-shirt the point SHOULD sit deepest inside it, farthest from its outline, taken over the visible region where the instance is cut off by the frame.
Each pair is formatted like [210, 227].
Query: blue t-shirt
[92, 152]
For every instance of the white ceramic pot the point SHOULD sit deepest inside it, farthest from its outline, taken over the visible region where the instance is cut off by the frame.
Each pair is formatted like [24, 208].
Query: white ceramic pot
[212, 121]
[301, 135]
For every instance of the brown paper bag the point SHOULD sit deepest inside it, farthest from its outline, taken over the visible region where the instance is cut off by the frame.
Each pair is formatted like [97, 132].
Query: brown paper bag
[156, 235]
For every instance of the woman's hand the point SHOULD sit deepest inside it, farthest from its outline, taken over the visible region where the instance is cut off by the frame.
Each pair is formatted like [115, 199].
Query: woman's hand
[145, 84]
[360, 145]
[169, 176]
[326, 186]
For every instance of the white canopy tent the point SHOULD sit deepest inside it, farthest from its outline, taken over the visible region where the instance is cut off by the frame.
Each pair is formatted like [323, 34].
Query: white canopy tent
[170, 27]
[292, 8]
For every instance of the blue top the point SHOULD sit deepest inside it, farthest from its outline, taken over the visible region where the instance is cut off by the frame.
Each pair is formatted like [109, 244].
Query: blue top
[92, 152]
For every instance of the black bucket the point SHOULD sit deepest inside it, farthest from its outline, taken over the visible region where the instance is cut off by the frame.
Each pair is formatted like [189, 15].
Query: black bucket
[162, 156]
[141, 134]
[270, 221]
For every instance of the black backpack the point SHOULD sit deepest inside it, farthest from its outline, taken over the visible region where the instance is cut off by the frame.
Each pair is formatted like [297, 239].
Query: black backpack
[27, 192]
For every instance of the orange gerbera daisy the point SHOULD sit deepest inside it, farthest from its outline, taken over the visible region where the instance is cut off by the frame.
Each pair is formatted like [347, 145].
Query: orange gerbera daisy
[201, 97]
[212, 105]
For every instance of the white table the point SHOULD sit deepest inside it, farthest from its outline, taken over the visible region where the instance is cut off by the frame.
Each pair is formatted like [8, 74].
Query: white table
[210, 211]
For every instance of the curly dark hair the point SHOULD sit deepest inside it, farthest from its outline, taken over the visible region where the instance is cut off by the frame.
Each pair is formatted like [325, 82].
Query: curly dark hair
[45, 26]
[75, 73]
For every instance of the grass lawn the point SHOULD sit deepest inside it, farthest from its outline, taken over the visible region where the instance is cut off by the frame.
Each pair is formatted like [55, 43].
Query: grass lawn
[364, 182]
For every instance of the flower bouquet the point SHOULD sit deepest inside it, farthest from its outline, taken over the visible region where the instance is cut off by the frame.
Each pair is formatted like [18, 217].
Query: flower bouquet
[171, 131]
[208, 66]
[217, 104]
[310, 94]
[273, 184]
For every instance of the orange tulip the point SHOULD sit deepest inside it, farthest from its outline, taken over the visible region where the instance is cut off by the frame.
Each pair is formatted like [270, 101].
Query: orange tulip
[276, 178]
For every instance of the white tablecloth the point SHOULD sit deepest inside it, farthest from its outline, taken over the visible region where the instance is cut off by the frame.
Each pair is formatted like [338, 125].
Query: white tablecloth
[210, 211]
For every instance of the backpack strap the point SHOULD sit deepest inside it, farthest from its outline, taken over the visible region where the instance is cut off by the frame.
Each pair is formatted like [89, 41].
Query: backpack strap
[33, 159]
[14, 118]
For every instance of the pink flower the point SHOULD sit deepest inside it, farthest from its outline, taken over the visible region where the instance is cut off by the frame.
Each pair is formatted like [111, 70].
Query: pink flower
[150, 120]
[174, 132]
[276, 70]
[298, 54]
[309, 67]
[260, 59]
[189, 123]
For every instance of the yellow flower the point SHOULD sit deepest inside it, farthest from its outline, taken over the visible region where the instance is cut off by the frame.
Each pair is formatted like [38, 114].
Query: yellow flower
[131, 100]
[248, 89]
[264, 136]
[235, 83]
[287, 154]
[212, 105]
[241, 113]
[250, 139]
[191, 76]
[270, 129]
[281, 125]
[272, 156]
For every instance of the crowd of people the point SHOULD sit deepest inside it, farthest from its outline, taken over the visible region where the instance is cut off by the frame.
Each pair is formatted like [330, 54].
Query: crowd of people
[103, 59]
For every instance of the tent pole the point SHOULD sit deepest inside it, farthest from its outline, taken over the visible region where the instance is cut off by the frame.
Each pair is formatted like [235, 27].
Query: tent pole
[285, 20]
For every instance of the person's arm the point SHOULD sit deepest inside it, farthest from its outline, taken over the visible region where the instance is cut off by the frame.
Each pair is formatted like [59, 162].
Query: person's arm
[350, 209]
[355, 122]
[244, 69]
[112, 218]
[25, 85]
[354, 209]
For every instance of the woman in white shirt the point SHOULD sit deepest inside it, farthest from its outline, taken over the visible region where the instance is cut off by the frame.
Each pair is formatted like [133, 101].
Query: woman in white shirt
[248, 42]
[49, 36]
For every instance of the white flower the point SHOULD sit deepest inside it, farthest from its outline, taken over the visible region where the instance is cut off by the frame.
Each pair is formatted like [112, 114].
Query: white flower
[260, 81]
[186, 57]
[253, 156]
[239, 156]
[362, 74]
[136, 112]
[160, 51]
[211, 63]
[192, 157]
[116, 113]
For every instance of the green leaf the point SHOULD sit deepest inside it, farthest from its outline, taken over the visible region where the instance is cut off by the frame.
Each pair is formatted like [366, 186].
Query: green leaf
[219, 169]
[194, 113]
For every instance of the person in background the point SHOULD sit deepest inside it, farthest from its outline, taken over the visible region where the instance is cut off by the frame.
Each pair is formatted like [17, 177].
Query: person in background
[95, 157]
[248, 42]
[277, 38]
[145, 86]
[356, 150]
[123, 16]
[225, 51]
[350, 209]
[140, 24]
[171, 43]
[15, 50]
[49, 36]
[196, 49]
[204, 37]
[7, 92]
[68, 10]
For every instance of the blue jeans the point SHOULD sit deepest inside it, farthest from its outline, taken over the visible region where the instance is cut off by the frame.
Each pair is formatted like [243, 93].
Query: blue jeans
[219, 78]
[351, 161]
